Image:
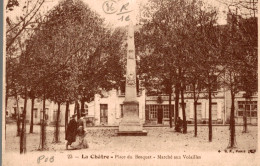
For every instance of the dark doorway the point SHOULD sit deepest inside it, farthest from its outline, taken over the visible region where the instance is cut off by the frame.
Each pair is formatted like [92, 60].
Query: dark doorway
[160, 115]
[103, 114]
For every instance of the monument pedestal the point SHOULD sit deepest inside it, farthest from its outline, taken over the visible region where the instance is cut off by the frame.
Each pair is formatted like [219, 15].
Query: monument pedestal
[131, 124]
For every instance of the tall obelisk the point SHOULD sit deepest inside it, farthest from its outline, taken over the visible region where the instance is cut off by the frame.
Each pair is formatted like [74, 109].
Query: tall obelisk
[131, 124]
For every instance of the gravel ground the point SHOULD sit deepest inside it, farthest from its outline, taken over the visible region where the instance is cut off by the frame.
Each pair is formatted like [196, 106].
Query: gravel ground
[160, 139]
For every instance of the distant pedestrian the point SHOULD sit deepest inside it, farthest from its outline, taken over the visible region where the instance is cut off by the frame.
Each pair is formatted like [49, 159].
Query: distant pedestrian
[179, 123]
[71, 131]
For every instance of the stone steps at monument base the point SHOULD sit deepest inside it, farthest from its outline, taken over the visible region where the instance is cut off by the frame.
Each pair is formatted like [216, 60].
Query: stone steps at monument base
[132, 133]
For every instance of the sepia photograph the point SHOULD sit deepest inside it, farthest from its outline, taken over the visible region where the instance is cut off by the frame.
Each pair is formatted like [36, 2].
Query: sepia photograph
[130, 82]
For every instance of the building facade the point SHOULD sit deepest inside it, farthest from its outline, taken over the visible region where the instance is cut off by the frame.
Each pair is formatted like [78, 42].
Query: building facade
[108, 109]
[51, 110]
[158, 113]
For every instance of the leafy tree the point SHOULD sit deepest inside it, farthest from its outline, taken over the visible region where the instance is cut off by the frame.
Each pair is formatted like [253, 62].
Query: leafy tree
[161, 32]
[207, 52]
[19, 26]
[18, 86]
[64, 42]
[168, 40]
[196, 81]
[14, 88]
[248, 72]
[104, 70]
[74, 56]
[240, 51]
[242, 19]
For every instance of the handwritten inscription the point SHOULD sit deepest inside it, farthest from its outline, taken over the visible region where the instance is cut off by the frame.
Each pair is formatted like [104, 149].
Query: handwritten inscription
[109, 7]
[45, 159]
[123, 10]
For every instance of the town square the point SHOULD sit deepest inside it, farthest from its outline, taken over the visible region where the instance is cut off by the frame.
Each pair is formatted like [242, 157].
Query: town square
[131, 76]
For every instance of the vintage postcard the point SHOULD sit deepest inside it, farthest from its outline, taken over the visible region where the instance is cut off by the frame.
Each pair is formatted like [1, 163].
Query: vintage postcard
[130, 82]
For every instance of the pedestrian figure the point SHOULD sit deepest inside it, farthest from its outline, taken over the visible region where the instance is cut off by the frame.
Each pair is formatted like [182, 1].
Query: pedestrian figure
[179, 123]
[71, 131]
[81, 121]
[81, 139]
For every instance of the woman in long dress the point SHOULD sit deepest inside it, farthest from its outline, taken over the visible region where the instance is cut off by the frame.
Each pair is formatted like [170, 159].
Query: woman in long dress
[81, 139]
[71, 131]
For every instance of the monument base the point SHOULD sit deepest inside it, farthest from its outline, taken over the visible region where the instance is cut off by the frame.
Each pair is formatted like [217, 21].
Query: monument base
[131, 124]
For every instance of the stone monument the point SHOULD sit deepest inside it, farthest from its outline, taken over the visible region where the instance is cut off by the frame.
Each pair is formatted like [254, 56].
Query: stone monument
[131, 124]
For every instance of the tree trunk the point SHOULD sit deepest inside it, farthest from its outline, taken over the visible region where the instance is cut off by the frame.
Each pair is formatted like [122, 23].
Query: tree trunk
[31, 125]
[183, 111]
[195, 118]
[210, 117]
[232, 122]
[18, 117]
[43, 126]
[170, 110]
[43, 122]
[66, 115]
[176, 113]
[77, 109]
[23, 132]
[57, 127]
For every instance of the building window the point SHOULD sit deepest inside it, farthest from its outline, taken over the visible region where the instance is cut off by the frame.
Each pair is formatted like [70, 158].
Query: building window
[35, 111]
[254, 109]
[166, 112]
[249, 106]
[86, 109]
[103, 113]
[199, 115]
[241, 108]
[46, 114]
[122, 87]
[214, 109]
[55, 115]
[153, 111]
[121, 110]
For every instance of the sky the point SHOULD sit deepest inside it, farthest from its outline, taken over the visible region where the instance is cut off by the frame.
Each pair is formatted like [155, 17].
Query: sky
[116, 12]
[117, 18]
[116, 21]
